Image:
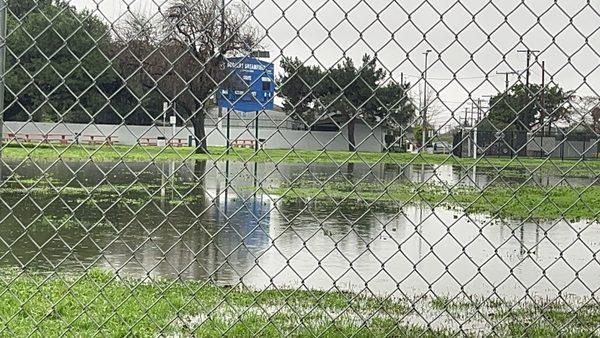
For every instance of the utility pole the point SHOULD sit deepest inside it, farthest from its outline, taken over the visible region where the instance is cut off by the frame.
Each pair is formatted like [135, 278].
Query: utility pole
[529, 52]
[467, 129]
[256, 147]
[424, 127]
[507, 74]
[472, 114]
[474, 129]
[489, 106]
[478, 110]
[174, 122]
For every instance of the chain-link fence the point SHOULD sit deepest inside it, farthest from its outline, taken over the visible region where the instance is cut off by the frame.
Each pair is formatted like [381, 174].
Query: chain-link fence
[350, 168]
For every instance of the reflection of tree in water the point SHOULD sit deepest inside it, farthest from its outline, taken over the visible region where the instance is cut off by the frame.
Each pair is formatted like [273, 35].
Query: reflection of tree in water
[204, 237]
[350, 171]
[167, 223]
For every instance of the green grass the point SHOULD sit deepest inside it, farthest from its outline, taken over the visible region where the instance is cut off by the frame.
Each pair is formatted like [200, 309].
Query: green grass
[97, 303]
[508, 202]
[590, 168]
[527, 202]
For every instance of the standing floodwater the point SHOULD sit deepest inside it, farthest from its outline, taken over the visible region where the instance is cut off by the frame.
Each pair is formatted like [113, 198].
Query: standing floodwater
[176, 219]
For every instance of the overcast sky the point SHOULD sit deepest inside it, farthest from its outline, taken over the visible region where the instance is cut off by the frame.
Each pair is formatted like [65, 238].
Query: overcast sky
[320, 31]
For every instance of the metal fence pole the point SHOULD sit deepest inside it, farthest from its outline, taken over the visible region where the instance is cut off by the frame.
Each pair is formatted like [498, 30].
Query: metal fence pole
[3, 9]
[220, 91]
[475, 143]
[256, 147]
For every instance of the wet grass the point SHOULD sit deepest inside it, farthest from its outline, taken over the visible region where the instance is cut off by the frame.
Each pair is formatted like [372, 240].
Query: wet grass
[518, 202]
[97, 303]
[532, 318]
[588, 168]
[498, 201]
[582, 321]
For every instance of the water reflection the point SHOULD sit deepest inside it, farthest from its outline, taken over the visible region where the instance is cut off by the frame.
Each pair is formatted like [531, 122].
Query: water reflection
[200, 220]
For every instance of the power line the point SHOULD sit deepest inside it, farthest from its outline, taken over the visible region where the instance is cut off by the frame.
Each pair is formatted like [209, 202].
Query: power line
[453, 78]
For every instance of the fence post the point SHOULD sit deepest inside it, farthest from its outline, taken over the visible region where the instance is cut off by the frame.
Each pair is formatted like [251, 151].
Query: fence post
[512, 144]
[475, 143]
[3, 9]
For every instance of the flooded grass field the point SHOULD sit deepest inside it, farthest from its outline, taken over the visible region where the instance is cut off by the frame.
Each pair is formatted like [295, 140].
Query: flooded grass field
[217, 222]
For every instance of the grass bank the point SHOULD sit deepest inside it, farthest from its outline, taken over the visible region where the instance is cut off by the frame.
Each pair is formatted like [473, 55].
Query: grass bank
[98, 304]
[590, 168]
[508, 202]
[527, 202]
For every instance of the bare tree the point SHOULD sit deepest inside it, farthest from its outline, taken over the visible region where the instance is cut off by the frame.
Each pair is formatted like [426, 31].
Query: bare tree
[435, 112]
[184, 54]
[586, 112]
[435, 108]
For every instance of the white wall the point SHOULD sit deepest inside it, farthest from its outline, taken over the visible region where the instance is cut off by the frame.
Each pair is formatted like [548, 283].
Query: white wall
[366, 139]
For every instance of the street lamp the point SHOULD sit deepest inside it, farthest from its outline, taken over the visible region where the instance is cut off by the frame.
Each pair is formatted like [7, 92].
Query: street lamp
[424, 127]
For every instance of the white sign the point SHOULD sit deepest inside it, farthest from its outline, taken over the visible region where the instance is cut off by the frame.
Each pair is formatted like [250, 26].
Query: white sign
[173, 119]
[248, 66]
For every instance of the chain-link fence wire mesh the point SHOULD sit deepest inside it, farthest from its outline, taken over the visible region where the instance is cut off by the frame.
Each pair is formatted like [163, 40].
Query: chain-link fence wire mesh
[299, 167]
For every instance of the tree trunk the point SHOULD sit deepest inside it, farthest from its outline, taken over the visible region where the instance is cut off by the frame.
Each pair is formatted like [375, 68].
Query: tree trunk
[351, 139]
[199, 133]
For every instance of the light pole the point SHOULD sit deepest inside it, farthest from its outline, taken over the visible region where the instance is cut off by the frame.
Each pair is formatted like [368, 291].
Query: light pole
[424, 127]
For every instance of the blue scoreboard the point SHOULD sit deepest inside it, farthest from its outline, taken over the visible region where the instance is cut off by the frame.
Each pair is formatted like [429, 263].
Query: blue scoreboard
[249, 85]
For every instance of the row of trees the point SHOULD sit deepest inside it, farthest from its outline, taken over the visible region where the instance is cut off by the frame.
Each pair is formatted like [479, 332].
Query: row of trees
[345, 95]
[56, 64]
[67, 65]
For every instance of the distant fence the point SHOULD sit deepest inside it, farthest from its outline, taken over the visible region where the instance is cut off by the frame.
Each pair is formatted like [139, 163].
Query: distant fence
[367, 139]
[521, 143]
[510, 143]
[565, 145]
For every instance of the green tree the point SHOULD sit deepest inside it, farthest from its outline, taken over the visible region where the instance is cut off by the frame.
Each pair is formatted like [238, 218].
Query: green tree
[345, 94]
[57, 67]
[20, 8]
[300, 85]
[394, 107]
[521, 107]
